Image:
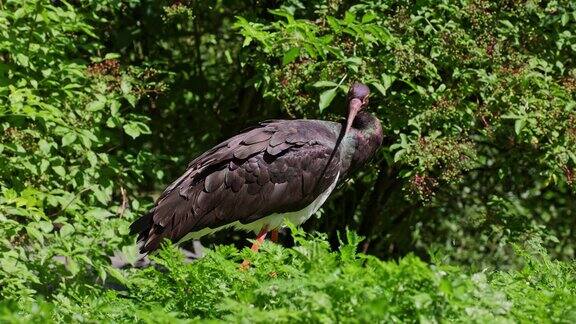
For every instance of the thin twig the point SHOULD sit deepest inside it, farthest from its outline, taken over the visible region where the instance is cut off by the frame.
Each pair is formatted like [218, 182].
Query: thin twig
[124, 201]
[71, 201]
[343, 78]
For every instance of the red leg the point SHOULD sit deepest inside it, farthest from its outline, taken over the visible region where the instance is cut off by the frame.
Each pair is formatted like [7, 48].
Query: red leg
[256, 246]
[274, 235]
[260, 239]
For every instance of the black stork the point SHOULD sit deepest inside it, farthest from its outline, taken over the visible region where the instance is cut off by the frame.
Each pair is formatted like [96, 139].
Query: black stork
[277, 170]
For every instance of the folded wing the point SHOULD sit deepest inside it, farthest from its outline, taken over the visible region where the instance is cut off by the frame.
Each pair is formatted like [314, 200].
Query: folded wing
[277, 167]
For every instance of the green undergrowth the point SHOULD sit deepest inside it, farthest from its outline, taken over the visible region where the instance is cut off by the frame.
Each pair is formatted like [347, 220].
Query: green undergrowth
[312, 283]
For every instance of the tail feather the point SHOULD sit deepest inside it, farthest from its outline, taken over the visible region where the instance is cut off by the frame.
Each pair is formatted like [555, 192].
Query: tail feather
[149, 234]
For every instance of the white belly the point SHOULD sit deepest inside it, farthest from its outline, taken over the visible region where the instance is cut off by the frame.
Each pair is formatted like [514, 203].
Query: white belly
[274, 220]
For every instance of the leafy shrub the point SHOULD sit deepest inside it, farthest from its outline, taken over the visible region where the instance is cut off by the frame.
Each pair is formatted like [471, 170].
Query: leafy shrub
[311, 283]
[69, 119]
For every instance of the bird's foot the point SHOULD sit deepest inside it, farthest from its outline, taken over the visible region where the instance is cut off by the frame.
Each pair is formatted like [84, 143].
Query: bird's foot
[245, 265]
[256, 246]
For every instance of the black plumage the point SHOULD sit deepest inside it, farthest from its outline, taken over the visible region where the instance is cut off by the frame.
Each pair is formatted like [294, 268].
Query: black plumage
[276, 167]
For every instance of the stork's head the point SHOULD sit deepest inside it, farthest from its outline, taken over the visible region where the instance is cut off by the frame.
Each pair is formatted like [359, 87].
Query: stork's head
[357, 100]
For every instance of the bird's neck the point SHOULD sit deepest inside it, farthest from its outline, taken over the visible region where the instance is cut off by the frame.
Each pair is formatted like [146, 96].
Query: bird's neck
[363, 141]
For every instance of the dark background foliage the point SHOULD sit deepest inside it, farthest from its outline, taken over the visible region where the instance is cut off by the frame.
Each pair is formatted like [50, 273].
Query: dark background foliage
[103, 104]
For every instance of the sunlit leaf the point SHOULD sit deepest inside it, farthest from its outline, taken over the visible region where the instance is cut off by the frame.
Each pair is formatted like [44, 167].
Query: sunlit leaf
[69, 139]
[326, 98]
[290, 55]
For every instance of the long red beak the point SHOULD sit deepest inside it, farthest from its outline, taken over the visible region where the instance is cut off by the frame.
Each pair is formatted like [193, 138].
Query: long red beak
[354, 107]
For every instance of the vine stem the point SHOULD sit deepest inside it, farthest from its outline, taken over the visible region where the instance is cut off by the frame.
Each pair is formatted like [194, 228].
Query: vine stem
[71, 201]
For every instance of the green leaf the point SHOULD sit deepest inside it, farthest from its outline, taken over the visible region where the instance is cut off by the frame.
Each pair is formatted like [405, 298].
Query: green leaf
[92, 158]
[379, 87]
[228, 57]
[35, 233]
[66, 230]
[507, 23]
[96, 105]
[334, 23]
[398, 155]
[349, 17]
[132, 130]
[19, 13]
[326, 98]
[22, 59]
[519, 125]
[45, 226]
[435, 51]
[135, 129]
[116, 274]
[113, 122]
[324, 84]
[44, 146]
[112, 56]
[69, 139]
[387, 80]
[131, 99]
[44, 165]
[354, 60]
[115, 107]
[247, 41]
[72, 266]
[125, 85]
[572, 156]
[102, 274]
[565, 19]
[102, 196]
[368, 17]
[98, 214]
[59, 170]
[291, 55]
